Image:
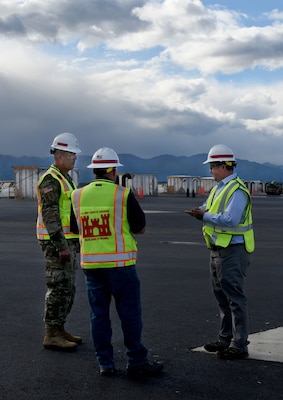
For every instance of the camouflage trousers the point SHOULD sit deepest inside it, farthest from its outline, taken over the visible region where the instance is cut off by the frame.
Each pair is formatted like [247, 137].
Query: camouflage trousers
[60, 280]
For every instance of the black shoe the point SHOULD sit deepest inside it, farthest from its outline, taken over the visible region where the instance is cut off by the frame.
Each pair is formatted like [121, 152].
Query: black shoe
[232, 354]
[146, 369]
[106, 371]
[214, 347]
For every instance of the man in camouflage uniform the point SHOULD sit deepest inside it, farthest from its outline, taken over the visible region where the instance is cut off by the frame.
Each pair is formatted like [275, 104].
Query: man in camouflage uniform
[59, 241]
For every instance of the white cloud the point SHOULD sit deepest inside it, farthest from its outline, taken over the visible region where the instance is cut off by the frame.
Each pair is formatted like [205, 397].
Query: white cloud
[144, 77]
[275, 15]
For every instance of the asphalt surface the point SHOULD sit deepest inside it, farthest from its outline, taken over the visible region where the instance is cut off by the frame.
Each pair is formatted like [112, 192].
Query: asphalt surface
[179, 313]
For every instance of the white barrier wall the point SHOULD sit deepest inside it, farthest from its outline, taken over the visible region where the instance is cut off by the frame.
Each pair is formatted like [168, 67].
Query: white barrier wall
[141, 184]
[7, 190]
[26, 179]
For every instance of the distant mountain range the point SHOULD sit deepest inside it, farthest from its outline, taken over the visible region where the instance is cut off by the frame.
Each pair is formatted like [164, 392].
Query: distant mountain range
[163, 166]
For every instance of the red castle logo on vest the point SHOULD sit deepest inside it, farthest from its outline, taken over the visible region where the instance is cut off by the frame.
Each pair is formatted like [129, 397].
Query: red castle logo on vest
[93, 228]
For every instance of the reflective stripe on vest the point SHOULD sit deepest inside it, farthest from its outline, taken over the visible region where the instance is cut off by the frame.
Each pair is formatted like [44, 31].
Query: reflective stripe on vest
[66, 189]
[105, 258]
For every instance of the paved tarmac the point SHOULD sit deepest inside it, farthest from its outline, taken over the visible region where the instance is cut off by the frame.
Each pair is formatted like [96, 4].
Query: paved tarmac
[179, 313]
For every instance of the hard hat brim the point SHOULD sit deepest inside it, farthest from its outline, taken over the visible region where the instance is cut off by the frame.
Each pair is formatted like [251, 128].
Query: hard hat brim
[104, 166]
[70, 150]
[219, 160]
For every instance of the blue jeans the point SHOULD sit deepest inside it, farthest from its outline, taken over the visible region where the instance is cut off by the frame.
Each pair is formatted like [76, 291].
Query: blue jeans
[228, 269]
[124, 285]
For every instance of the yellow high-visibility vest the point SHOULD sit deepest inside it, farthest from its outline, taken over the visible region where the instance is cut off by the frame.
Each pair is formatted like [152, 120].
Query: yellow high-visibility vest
[105, 236]
[64, 206]
[219, 235]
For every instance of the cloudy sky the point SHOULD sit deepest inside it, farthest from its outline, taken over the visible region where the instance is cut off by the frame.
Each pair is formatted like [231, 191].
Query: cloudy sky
[145, 77]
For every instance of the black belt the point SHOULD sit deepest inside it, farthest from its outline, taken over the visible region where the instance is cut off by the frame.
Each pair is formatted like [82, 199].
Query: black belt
[218, 248]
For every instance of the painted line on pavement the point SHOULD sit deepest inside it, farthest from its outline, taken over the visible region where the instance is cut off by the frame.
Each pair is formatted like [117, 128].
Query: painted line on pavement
[187, 243]
[159, 212]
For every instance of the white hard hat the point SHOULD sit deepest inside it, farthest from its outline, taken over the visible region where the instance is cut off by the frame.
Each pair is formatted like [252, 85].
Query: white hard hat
[105, 158]
[66, 142]
[220, 153]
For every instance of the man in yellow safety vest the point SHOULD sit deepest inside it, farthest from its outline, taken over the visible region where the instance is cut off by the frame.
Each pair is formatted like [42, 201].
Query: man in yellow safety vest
[58, 242]
[108, 215]
[228, 233]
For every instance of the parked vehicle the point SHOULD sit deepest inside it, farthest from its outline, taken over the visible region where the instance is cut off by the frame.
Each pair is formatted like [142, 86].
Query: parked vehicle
[274, 188]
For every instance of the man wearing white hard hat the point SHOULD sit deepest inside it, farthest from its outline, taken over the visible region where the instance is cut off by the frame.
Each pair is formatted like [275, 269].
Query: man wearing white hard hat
[108, 215]
[58, 242]
[228, 233]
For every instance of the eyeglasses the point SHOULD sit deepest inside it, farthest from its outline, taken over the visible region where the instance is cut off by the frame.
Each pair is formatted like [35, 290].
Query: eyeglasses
[68, 154]
[215, 165]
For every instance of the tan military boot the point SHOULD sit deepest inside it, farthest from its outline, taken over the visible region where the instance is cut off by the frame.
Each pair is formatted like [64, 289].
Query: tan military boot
[69, 337]
[53, 340]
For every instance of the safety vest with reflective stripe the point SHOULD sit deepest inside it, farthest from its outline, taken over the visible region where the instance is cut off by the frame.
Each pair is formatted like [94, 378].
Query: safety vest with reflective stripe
[64, 205]
[101, 212]
[219, 235]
